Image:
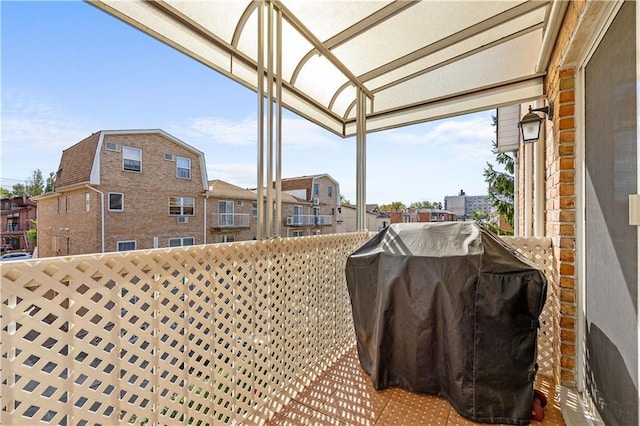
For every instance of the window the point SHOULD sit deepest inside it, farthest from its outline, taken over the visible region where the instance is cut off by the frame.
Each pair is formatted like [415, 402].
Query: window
[330, 191]
[225, 238]
[68, 203]
[316, 189]
[116, 202]
[131, 159]
[183, 167]
[126, 245]
[298, 233]
[87, 201]
[225, 212]
[297, 215]
[181, 206]
[254, 212]
[59, 204]
[179, 242]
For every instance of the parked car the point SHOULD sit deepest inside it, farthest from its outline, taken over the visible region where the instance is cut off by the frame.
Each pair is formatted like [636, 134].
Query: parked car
[15, 256]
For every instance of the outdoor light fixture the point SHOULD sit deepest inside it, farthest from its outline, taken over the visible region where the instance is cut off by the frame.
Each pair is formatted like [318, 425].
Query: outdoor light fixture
[530, 123]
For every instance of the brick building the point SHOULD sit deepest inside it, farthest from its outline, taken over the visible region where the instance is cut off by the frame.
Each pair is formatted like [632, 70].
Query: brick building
[317, 208]
[17, 216]
[421, 215]
[124, 190]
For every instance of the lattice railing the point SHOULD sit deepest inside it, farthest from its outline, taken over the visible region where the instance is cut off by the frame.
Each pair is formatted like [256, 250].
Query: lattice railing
[199, 335]
[540, 252]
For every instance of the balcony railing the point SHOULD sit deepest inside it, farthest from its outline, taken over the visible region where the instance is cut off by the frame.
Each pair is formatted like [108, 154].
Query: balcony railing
[213, 334]
[308, 220]
[231, 220]
[11, 227]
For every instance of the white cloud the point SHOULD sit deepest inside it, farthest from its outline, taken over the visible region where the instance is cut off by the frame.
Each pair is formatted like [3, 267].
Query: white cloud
[35, 131]
[199, 131]
[297, 133]
[243, 175]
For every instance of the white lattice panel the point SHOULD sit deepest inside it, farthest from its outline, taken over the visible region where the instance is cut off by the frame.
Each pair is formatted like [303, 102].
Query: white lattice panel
[539, 251]
[201, 335]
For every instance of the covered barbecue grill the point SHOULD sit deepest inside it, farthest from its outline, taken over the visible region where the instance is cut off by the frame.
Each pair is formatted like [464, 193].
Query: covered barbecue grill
[449, 309]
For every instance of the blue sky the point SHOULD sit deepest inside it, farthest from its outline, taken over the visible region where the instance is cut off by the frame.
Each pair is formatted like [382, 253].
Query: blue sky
[69, 69]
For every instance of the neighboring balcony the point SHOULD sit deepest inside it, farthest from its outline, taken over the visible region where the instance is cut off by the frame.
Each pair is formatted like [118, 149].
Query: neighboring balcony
[230, 220]
[308, 220]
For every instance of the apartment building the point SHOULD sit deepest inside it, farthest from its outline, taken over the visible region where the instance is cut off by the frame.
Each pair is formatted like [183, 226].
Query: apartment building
[464, 206]
[316, 210]
[347, 219]
[231, 212]
[122, 190]
[16, 218]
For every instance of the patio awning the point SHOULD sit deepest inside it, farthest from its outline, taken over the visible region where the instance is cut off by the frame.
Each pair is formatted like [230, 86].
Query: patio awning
[415, 61]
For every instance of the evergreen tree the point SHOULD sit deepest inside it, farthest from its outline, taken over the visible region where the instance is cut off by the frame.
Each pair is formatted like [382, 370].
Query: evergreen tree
[501, 185]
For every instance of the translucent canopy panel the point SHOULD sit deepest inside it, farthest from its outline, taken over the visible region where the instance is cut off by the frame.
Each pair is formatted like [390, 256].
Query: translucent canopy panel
[416, 61]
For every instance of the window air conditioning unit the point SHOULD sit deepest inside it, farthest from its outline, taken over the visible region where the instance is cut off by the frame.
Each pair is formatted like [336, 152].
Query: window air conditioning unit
[183, 219]
[110, 146]
[239, 203]
[290, 220]
[316, 201]
[169, 157]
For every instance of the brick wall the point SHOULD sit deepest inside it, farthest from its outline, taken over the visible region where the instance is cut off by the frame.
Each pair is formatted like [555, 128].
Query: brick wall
[146, 194]
[560, 166]
[77, 223]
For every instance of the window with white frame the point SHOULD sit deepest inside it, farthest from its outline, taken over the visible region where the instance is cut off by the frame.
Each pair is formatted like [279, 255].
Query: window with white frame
[116, 202]
[225, 238]
[316, 189]
[179, 242]
[225, 213]
[131, 159]
[87, 201]
[298, 233]
[68, 203]
[183, 168]
[330, 191]
[182, 206]
[126, 245]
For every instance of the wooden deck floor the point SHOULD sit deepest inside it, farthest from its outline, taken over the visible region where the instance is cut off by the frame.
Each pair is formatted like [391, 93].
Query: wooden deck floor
[343, 395]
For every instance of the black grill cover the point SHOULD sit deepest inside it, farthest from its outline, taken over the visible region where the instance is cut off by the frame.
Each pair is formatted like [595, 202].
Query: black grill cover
[449, 309]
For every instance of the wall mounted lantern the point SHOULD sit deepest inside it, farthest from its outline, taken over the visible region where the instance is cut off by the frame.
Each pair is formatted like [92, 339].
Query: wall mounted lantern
[530, 123]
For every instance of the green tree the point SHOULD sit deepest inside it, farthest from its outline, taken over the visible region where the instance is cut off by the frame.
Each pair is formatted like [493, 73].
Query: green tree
[344, 201]
[32, 233]
[501, 189]
[35, 184]
[396, 205]
[5, 193]
[426, 205]
[51, 182]
[18, 190]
